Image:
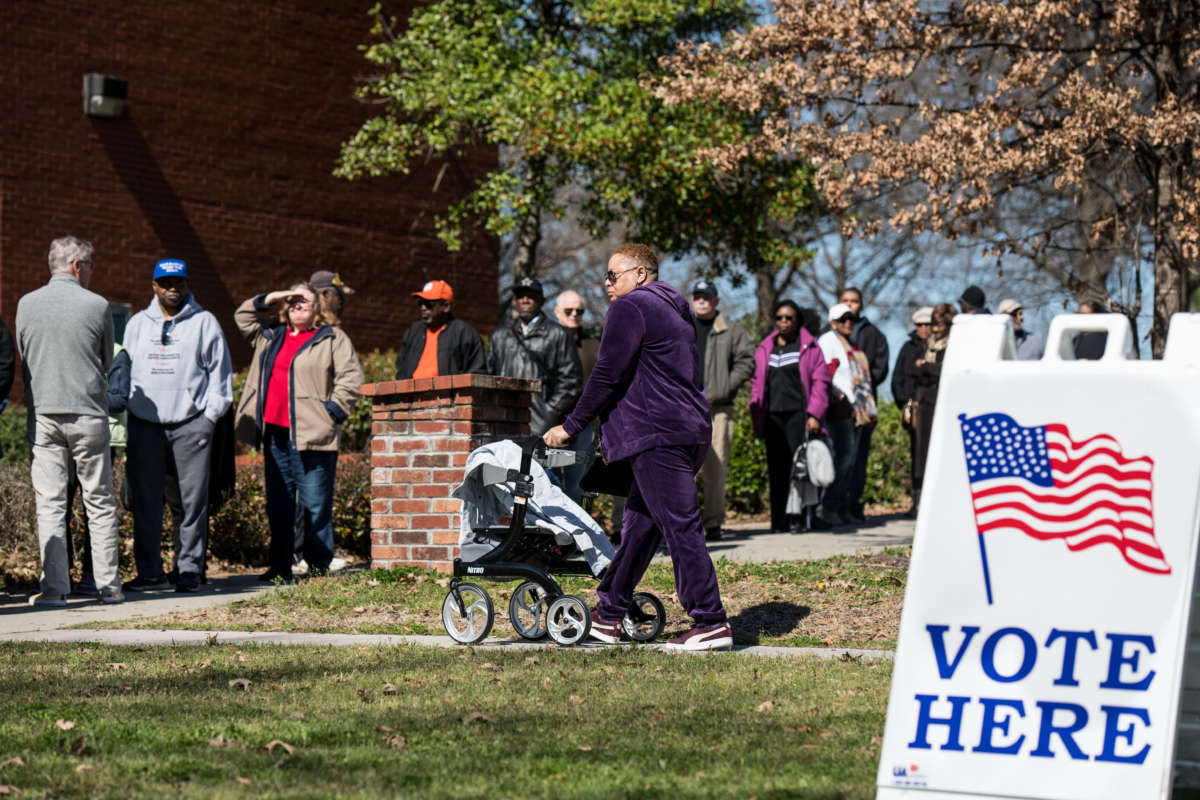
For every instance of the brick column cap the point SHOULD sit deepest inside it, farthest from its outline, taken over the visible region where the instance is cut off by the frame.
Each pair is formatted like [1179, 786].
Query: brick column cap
[442, 382]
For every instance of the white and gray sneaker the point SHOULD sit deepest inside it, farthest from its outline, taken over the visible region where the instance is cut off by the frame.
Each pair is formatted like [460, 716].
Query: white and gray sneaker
[300, 569]
[703, 637]
[336, 565]
[111, 596]
[48, 600]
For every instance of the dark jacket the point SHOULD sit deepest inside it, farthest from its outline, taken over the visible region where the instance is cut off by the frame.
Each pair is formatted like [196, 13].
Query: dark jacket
[646, 385]
[904, 384]
[589, 351]
[548, 353]
[459, 351]
[8, 360]
[728, 361]
[866, 337]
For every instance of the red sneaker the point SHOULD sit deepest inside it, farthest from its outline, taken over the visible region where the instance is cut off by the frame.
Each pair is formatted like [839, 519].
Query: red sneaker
[607, 632]
[703, 637]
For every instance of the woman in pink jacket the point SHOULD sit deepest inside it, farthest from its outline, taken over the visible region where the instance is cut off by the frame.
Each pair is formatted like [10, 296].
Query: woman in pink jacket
[788, 395]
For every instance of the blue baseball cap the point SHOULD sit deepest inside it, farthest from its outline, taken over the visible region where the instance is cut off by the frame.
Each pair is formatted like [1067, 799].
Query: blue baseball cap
[170, 268]
[704, 286]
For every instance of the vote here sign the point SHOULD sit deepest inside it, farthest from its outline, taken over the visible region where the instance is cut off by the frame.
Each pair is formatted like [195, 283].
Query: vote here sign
[1045, 622]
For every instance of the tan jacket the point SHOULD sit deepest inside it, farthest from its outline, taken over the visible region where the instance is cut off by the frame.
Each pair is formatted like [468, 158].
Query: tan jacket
[325, 377]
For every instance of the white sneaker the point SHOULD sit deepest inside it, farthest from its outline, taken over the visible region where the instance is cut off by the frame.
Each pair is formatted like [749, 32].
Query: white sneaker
[49, 600]
[300, 569]
[336, 565]
[111, 596]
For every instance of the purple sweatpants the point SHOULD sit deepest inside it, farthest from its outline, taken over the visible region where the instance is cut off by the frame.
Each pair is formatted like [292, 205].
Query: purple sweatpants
[663, 504]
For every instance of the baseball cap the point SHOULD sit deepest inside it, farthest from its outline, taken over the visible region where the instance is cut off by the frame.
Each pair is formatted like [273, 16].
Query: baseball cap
[324, 279]
[838, 311]
[436, 290]
[703, 286]
[1010, 306]
[973, 296]
[170, 268]
[923, 316]
[528, 285]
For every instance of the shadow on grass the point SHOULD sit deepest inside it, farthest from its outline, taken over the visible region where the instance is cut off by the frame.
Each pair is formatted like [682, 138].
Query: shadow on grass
[771, 620]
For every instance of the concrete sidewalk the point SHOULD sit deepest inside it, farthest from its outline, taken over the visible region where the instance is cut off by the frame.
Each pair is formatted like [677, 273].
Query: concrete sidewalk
[744, 542]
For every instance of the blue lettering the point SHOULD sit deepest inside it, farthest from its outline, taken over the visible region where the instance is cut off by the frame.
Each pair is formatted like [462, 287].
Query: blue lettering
[1071, 641]
[925, 718]
[991, 724]
[1118, 658]
[988, 659]
[1112, 717]
[1048, 729]
[937, 636]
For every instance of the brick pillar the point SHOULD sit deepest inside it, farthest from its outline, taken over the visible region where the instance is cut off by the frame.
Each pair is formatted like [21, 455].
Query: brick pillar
[421, 433]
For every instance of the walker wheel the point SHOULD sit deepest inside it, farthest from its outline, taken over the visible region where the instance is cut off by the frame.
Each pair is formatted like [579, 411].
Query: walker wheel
[527, 610]
[645, 619]
[568, 620]
[471, 626]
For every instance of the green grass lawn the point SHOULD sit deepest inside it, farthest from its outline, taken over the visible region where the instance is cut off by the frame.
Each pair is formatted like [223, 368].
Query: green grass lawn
[846, 601]
[202, 722]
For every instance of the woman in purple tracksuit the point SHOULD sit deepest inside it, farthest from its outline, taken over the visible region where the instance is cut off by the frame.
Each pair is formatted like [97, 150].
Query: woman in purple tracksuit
[645, 389]
[789, 394]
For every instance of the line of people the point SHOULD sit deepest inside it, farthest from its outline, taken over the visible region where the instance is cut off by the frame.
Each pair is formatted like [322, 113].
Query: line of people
[165, 392]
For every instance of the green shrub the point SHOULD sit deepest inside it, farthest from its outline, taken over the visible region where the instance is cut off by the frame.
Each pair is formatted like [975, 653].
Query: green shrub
[239, 531]
[12, 435]
[888, 468]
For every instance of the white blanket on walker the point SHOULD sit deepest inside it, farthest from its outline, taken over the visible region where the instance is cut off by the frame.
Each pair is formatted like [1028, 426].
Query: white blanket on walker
[549, 508]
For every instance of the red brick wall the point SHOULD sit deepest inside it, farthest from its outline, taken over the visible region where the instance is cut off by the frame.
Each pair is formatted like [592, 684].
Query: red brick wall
[224, 156]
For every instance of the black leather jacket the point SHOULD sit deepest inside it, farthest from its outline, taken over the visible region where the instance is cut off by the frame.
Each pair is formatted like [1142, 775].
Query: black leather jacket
[549, 353]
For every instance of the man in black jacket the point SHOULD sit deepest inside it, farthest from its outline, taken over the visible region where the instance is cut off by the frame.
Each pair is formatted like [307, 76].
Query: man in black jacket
[904, 385]
[438, 344]
[533, 346]
[872, 342]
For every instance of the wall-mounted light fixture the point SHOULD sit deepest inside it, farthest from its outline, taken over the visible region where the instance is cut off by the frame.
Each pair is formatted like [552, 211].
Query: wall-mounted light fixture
[103, 95]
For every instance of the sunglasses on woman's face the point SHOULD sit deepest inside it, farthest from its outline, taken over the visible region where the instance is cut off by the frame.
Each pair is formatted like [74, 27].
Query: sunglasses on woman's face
[787, 317]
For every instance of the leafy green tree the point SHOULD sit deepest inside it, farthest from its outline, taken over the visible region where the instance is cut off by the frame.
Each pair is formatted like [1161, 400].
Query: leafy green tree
[562, 91]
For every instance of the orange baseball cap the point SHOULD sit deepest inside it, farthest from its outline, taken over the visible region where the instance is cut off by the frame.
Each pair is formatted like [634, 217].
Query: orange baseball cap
[436, 290]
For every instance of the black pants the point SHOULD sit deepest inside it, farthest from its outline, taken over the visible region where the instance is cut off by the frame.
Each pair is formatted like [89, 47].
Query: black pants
[858, 479]
[785, 432]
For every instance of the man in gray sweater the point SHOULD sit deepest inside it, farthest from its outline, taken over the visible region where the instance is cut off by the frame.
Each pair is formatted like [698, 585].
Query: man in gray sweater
[181, 382]
[65, 337]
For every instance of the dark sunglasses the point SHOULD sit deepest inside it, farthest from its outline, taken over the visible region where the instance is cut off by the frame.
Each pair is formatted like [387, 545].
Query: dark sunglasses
[423, 303]
[784, 316]
[573, 312]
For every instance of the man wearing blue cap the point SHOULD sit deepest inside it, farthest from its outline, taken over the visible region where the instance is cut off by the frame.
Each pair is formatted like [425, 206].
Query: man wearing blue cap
[181, 382]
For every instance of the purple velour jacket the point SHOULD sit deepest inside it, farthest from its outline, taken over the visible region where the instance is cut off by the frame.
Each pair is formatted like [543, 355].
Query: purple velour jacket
[645, 387]
[814, 374]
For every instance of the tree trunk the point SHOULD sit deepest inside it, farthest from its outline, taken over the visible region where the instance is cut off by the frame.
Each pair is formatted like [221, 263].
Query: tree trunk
[525, 254]
[1170, 270]
[765, 290]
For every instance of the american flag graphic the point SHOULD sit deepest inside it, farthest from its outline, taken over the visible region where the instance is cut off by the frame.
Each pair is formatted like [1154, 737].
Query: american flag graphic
[1040, 482]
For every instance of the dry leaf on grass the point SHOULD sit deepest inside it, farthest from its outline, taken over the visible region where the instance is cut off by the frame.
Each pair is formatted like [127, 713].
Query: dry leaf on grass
[118, 665]
[287, 748]
[64, 724]
[240, 683]
[396, 741]
[765, 705]
[15, 761]
[390, 688]
[86, 768]
[475, 716]
[277, 687]
[585, 747]
[384, 728]
[575, 699]
[297, 715]
[366, 695]
[8, 789]
[244, 781]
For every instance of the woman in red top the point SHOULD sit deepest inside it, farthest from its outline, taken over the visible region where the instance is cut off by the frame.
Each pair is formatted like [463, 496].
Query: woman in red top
[303, 382]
